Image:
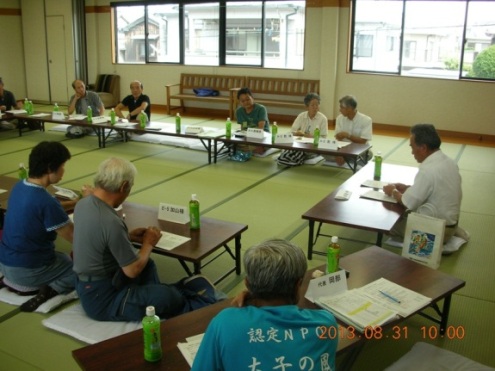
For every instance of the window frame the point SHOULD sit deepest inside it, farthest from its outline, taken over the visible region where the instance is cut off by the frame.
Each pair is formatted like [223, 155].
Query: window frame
[222, 36]
[464, 44]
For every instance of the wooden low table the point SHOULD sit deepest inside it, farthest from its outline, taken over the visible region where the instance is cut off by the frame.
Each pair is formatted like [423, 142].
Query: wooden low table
[357, 212]
[209, 239]
[351, 152]
[125, 352]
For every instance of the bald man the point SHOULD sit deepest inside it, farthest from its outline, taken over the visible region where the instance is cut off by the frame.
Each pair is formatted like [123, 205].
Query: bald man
[134, 103]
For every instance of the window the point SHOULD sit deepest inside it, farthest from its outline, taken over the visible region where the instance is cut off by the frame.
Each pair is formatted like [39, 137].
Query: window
[248, 33]
[443, 39]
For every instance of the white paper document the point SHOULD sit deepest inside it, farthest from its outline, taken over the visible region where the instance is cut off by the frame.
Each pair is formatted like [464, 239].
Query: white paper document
[379, 196]
[65, 193]
[190, 348]
[124, 125]
[77, 117]
[374, 304]
[374, 183]
[395, 297]
[16, 111]
[170, 241]
[356, 309]
[3, 191]
[40, 114]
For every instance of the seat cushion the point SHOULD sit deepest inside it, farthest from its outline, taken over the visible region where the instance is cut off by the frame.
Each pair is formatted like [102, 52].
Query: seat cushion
[427, 357]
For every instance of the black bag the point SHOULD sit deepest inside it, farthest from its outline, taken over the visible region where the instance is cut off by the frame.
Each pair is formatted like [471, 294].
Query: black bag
[291, 158]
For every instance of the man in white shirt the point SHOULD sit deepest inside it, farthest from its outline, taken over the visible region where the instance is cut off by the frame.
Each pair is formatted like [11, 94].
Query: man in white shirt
[436, 190]
[351, 125]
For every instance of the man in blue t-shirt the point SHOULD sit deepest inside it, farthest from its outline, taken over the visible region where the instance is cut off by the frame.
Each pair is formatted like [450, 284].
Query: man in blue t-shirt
[135, 103]
[271, 331]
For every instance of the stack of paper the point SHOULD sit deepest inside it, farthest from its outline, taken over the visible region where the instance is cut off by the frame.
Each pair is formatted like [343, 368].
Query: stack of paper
[375, 304]
[357, 310]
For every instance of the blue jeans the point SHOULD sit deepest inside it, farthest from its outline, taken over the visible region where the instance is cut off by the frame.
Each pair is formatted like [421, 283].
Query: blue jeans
[123, 299]
[58, 275]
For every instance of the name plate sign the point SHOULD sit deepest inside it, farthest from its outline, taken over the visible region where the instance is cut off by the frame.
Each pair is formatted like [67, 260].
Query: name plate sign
[194, 130]
[58, 116]
[173, 213]
[329, 284]
[325, 143]
[255, 133]
[284, 138]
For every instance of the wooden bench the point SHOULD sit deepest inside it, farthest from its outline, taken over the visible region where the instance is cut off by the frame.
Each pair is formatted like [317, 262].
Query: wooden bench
[281, 92]
[227, 86]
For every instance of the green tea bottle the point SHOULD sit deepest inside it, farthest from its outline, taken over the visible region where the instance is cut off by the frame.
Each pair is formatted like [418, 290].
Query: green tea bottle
[194, 212]
[333, 255]
[228, 128]
[177, 123]
[378, 166]
[152, 335]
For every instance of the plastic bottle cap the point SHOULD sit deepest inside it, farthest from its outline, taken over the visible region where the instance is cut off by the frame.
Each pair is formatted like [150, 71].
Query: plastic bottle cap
[378, 153]
[193, 196]
[21, 164]
[150, 311]
[228, 118]
[335, 239]
[177, 114]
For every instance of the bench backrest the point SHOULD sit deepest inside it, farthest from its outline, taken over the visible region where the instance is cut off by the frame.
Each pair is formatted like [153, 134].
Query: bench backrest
[280, 86]
[217, 82]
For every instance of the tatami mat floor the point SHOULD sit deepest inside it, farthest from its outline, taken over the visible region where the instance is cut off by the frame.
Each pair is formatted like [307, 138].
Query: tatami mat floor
[270, 199]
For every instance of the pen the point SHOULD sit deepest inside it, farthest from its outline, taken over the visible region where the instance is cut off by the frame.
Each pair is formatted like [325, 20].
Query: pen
[389, 296]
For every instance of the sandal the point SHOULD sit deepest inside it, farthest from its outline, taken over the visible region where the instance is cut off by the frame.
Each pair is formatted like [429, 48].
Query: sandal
[45, 294]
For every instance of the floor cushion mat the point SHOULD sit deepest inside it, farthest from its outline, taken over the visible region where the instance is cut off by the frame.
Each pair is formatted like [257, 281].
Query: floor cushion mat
[424, 356]
[10, 297]
[74, 322]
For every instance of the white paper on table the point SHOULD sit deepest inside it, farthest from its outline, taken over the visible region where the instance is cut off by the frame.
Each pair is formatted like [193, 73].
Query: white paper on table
[409, 301]
[379, 196]
[40, 114]
[64, 192]
[16, 111]
[76, 117]
[374, 183]
[170, 241]
[190, 348]
[3, 191]
[123, 125]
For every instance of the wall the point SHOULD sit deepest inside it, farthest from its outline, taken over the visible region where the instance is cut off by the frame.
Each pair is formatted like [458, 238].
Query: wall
[12, 53]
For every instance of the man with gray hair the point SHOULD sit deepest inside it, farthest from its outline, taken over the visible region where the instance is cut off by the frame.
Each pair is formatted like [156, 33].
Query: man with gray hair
[351, 125]
[116, 282]
[436, 190]
[269, 327]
